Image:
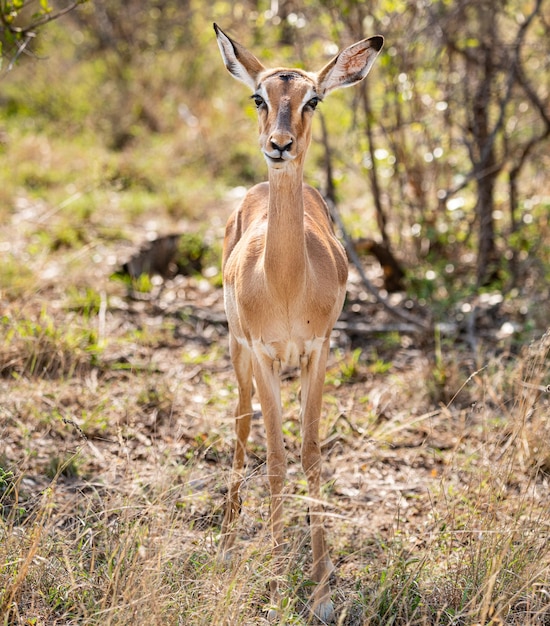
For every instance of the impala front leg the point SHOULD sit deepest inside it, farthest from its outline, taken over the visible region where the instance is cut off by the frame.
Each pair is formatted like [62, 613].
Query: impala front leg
[242, 363]
[266, 373]
[313, 378]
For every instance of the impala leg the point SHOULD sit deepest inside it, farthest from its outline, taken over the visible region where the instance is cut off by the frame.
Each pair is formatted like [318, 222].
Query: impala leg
[266, 373]
[242, 363]
[313, 378]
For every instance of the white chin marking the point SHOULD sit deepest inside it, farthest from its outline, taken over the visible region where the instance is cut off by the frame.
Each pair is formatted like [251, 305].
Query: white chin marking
[277, 164]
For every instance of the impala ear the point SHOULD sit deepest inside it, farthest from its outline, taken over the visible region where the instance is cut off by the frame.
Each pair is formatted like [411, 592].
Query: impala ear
[349, 66]
[242, 64]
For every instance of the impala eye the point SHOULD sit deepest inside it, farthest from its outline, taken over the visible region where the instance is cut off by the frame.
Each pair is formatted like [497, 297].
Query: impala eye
[312, 104]
[258, 101]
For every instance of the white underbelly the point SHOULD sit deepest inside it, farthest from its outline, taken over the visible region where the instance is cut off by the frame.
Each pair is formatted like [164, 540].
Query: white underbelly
[288, 353]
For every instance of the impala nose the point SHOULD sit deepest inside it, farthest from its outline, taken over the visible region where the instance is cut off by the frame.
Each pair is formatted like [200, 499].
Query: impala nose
[281, 145]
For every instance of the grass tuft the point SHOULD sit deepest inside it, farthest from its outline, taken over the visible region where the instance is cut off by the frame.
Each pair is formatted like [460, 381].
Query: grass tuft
[39, 346]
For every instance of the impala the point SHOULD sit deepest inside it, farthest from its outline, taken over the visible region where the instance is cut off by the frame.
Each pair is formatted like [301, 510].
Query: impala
[284, 275]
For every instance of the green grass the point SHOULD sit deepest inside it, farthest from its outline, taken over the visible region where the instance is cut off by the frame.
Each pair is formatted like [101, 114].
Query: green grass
[38, 346]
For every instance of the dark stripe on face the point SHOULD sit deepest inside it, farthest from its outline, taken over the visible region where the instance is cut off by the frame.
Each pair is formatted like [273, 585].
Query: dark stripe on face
[284, 75]
[288, 76]
[284, 114]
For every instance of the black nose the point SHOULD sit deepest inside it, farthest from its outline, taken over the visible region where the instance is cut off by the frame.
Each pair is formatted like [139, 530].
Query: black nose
[281, 149]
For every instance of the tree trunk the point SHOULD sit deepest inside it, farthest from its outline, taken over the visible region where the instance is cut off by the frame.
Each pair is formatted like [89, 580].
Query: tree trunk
[373, 172]
[486, 169]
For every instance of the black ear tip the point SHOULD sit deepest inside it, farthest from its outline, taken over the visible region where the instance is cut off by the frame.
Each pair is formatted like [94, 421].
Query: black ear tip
[377, 42]
[216, 28]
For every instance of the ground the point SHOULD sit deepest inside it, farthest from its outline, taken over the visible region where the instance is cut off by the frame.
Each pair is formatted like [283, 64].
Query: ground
[116, 455]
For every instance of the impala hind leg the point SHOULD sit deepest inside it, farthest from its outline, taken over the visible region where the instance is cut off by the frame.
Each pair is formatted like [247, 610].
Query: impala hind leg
[242, 363]
[313, 378]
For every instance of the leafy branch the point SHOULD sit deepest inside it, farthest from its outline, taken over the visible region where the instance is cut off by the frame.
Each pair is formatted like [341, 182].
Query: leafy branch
[18, 26]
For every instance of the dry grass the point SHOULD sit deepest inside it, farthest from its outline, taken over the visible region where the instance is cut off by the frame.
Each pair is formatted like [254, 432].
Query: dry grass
[113, 482]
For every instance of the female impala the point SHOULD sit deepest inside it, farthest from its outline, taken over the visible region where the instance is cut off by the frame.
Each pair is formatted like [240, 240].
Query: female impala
[284, 276]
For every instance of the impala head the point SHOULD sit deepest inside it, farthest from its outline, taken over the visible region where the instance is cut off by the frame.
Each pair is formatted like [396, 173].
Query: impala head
[287, 98]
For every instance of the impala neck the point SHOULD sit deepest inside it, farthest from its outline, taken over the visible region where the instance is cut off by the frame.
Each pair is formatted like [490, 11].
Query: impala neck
[285, 253]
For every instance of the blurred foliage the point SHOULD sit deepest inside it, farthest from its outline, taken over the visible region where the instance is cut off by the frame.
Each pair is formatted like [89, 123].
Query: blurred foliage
[442, 152]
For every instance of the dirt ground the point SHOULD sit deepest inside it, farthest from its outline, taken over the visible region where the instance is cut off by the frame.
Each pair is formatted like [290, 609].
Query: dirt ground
[411, 418]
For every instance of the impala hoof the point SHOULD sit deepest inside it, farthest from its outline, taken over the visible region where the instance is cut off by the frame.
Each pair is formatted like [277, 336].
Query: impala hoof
[224, 556]
[272, 615]
[324, 612]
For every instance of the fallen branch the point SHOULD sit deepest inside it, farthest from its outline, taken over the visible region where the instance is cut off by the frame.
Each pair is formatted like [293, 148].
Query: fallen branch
[354, 258]
[363, 328]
